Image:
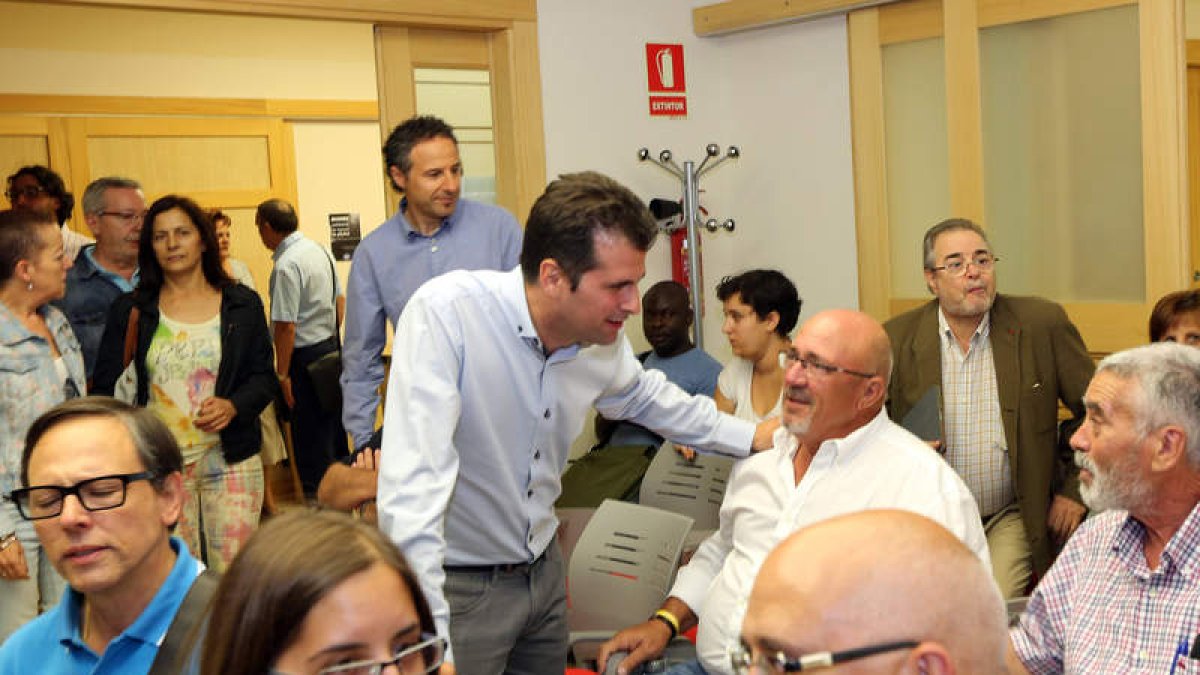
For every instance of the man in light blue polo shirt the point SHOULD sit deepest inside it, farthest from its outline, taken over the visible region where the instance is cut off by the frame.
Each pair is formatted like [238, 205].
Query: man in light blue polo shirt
[113, 208]
[435, 231]
[306, 310]
[103, 489]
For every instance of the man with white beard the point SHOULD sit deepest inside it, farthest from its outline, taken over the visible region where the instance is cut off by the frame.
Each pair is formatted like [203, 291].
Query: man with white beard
[1123, 595]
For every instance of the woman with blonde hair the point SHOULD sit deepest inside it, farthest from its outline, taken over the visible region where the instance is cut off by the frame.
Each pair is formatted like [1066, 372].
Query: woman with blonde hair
[320, 592]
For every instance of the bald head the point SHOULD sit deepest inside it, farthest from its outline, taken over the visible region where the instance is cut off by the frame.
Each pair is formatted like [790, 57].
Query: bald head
[875, 577]
[860, 340]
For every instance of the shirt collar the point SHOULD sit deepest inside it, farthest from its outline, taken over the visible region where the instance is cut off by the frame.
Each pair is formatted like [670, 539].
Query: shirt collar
[516, 310]
[412, 233]
[982, 330]
[1182, 552]
[150, 626]
[844, 448]
[286, 244]
[95, 268]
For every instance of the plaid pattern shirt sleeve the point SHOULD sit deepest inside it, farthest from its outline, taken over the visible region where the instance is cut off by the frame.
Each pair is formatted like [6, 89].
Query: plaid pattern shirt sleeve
[1101, 609]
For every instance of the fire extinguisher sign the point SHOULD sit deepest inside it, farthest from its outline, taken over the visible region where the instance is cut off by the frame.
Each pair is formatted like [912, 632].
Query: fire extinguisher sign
[664, 75]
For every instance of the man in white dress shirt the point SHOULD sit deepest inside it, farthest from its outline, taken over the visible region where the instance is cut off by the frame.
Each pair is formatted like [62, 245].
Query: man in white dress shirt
[493, 374]
[837, 453]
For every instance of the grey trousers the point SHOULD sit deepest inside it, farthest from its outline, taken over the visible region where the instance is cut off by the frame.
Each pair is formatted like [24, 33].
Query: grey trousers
[510, 621]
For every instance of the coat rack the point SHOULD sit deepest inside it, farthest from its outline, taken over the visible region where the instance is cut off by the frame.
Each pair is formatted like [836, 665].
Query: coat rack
[690, 175]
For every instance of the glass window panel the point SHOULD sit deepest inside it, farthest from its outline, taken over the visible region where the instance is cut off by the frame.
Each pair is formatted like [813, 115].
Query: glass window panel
[463, 98]
[918, 194]
[1063, 156]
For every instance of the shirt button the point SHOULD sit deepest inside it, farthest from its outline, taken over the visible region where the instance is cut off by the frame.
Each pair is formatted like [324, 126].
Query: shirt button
[433, 248]
[529, 493]
[546, 414]
[537, 454]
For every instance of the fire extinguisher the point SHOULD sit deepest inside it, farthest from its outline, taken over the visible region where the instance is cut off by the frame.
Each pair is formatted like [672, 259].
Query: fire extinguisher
[679, 259]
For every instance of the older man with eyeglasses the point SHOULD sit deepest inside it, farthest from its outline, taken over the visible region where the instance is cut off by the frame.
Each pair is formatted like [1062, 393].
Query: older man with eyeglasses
[996, 366]
[835, 453]
[113, 208]
[103, 489]
[826, 597]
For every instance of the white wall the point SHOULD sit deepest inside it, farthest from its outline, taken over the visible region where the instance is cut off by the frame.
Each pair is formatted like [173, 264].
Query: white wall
[781, 94]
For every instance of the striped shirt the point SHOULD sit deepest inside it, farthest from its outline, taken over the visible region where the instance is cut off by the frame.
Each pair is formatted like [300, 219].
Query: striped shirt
[975, 443]
[1101, 609]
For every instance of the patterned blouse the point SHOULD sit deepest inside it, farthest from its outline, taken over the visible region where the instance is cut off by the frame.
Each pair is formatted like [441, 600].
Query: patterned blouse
[29, 386]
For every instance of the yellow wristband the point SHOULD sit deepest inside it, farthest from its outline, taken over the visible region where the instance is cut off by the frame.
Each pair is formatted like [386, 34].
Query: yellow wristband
[670, 618]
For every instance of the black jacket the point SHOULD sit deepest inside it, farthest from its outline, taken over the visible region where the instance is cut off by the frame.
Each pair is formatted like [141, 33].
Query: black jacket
[246, 375]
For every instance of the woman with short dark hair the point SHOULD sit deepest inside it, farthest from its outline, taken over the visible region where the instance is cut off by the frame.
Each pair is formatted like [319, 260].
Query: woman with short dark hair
[41, 365]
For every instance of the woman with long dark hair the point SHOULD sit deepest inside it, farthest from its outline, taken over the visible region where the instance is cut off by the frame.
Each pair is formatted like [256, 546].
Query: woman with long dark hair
[204, 365]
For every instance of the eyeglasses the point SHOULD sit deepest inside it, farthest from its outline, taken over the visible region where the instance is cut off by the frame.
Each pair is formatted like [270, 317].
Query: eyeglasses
[743, 659]
[812, 365]
[956, 267]
[423, 657]
[28, 192]
[129, 217]
[95, 494]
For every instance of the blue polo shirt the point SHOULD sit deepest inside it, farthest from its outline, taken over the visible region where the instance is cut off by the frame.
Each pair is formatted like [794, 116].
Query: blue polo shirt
[52, 643]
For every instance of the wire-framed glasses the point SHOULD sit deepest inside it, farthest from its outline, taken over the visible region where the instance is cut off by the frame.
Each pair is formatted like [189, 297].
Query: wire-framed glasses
[745, 661]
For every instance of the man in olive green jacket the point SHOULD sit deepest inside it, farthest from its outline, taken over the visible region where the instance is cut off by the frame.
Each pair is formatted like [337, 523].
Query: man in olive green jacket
[999, 366]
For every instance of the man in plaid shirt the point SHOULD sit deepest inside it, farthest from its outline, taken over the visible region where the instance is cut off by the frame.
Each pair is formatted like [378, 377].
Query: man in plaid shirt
[1123, 596]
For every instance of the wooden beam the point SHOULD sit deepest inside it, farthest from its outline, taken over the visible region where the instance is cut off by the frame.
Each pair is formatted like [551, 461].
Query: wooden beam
[1164, 137]
[870, 164]
[736, 15]
[293, 109]
[964, 111]
[457, 14]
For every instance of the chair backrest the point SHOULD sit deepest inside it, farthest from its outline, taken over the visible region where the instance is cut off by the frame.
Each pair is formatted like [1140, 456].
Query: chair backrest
[693, 488]
[623, 565]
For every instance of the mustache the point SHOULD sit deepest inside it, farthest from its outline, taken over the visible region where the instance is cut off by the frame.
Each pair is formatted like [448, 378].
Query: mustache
[798, 394]
[1084, 462]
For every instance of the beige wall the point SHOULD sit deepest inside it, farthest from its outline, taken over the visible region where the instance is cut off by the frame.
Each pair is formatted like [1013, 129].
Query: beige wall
[61, 49]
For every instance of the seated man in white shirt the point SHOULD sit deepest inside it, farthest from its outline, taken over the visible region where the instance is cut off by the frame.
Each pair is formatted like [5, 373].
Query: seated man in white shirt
[885, 591]
[836, 453]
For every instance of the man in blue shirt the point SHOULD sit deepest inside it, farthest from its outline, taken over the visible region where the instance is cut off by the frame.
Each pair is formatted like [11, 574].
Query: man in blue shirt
[666, 319]
[113, 208]
[104, 491]
[306, 310]
[493, 374]
[435, 231]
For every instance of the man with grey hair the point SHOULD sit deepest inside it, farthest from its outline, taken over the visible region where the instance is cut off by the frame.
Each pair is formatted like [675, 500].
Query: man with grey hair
[1122, 597]
[827, 596]
[103, 489]
[996, 366]
[113, 208]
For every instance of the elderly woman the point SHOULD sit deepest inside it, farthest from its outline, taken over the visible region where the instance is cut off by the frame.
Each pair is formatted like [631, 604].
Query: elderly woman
[1176, 318]
[204, 366]
[319, 592]
[40, 365]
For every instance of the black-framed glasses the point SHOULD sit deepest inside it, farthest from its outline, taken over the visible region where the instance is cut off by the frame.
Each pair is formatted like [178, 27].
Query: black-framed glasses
[28, 192]
[94, 494]
[957, 266]
[742, 658]
[128, 216]
[813, 365]
[424, 657]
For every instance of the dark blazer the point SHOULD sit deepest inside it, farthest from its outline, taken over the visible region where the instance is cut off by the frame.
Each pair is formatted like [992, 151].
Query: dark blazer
[246, 375]
[1040, 360]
